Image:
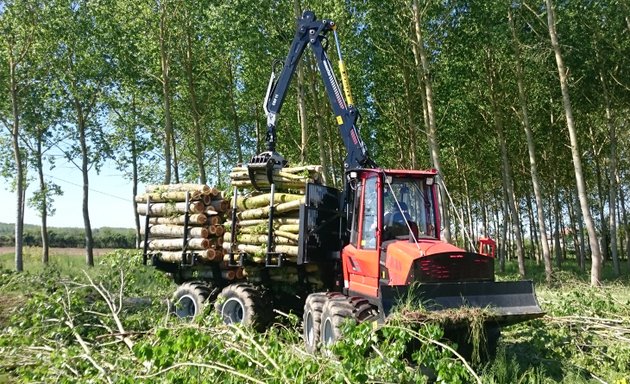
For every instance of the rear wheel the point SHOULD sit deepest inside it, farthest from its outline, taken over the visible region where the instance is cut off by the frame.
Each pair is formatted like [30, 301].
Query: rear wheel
[246, 304]
[189, 299]
[338, 310]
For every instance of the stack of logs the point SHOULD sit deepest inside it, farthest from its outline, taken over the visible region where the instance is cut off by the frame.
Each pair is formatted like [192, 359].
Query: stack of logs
[252, 220]
[167, 213]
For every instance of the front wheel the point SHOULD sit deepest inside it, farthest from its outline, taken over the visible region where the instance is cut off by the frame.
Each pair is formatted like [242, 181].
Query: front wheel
[338, 310]
[312, 320]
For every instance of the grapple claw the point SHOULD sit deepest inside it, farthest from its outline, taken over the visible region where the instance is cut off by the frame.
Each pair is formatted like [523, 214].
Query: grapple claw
[268, 161]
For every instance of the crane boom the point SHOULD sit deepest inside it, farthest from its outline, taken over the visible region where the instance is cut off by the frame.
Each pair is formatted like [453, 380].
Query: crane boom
[312, 32]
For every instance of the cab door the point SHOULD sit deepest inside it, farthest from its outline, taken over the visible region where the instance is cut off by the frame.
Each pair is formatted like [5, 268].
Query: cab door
[361, 256]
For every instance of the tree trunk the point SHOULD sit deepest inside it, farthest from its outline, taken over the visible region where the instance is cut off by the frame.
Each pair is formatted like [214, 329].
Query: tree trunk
[579, 254]
[556, 233]
[503, 249]
[626, 224]
[89, 240]
[44, 203]
[235, 121]
[134, 188]
[508, 182]
[600, 196]
[410, 115]
[612, 172]
[434, 147]
[166, 92]
[19, 165]
[596, 259]
[533, 167]
[175, 163]
[194, 110]
[532, 229]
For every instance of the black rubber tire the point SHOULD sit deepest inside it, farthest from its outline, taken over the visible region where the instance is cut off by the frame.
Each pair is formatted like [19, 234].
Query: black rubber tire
[246, 304]
[189, 299]
[311, 320]
[337, 310]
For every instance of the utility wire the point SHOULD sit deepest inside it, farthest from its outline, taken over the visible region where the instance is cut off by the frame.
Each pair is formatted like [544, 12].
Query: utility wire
[91, 189]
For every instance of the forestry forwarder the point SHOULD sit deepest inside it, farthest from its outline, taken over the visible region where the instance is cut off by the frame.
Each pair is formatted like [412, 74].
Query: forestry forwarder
[375, 242]
[382, 232]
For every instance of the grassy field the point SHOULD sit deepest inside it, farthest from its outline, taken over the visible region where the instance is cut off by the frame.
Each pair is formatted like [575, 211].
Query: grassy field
[64, 258]
[64, 323]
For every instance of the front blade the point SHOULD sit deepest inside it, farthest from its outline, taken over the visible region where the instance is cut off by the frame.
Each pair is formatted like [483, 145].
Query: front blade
[508, 302]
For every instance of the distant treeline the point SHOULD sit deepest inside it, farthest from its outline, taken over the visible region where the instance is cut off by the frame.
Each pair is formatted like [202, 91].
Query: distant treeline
[69, 237]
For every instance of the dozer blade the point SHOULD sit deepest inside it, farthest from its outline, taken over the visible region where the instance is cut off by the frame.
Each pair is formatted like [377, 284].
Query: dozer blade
[507, 302]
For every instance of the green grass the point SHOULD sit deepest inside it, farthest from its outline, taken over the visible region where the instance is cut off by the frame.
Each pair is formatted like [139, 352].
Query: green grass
[71, 260]
[581, 340]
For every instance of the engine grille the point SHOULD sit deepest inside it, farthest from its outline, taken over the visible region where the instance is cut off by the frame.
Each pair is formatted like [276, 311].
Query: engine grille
[454, 266]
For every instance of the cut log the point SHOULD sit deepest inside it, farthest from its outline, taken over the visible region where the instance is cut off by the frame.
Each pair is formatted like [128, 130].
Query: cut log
[195, 219]
[293, 228]
[287, 235]
[176, 257]
[229, 274]
[261, 239]
[259, 213]
[216, 230]
[177, 244]
[258, 250]
[162, 230]
[244, 203]
[171, 209]
[202, 188]
[168, 196]
[220, 205]
[255, 222]
[214, 219]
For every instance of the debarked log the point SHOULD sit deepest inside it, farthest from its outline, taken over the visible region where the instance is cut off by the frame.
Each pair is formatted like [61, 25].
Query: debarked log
[195, 219]
[261, 239]
[171, 209]
[164, 230]
[178, 244]
[259, 213]
[244, 203]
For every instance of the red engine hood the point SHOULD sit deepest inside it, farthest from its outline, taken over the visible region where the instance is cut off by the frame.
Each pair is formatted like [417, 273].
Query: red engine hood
[401, 254]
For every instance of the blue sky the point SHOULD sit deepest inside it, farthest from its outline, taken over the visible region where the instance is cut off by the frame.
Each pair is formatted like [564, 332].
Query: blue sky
[110, 199]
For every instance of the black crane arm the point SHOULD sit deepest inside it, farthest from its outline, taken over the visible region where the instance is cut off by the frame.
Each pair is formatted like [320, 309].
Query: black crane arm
[312, 32]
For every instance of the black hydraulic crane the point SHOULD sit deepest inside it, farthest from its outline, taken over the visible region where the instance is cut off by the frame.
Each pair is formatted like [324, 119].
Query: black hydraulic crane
[314, 33]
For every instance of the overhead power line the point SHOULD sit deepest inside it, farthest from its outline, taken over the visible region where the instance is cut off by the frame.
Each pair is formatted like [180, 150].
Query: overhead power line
[89, 188]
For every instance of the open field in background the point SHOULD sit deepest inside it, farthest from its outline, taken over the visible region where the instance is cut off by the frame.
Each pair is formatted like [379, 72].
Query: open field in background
[71, 258]
[584, 338]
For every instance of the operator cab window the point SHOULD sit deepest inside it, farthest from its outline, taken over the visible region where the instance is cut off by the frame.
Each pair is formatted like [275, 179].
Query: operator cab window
[370, 206]
[408, 205]
[356, 201]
